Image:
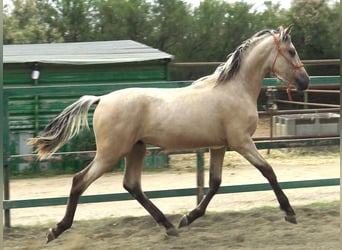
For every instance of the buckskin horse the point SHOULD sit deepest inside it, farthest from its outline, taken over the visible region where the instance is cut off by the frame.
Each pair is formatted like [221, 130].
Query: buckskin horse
[216, 111]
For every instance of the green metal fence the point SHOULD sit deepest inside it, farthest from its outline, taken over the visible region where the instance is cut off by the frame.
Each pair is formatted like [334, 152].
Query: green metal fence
[11, 93]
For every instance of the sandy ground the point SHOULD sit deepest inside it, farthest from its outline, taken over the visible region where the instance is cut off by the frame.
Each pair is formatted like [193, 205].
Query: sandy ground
[129, 226]
[264, 229]
[229, 224]
[288, 167]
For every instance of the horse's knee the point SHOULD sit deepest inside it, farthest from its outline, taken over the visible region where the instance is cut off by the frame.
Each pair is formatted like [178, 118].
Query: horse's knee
[127, 187]
[132, 188]
[267, 171]
[215, 182]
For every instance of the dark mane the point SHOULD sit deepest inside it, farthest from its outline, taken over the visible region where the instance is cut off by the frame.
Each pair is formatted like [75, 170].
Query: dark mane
[228, 70]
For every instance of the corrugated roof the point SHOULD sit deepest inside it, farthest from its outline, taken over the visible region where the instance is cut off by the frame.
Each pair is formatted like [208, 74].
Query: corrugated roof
[82, 52]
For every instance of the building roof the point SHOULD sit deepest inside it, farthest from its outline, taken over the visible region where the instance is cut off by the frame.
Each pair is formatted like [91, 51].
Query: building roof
[82, 52]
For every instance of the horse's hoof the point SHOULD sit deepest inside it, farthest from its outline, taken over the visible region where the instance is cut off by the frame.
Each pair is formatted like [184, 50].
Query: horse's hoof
[50, 236]
[291, 218]
[172, 232]
[183, 222]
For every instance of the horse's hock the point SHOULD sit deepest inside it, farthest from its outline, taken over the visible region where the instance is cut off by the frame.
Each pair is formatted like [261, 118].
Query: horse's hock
[324, 124]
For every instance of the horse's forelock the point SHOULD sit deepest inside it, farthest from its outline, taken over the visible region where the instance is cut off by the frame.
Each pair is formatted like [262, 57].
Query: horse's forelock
[284, 34]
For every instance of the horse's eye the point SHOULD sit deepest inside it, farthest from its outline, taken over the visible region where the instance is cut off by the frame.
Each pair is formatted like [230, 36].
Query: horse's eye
[292, 52]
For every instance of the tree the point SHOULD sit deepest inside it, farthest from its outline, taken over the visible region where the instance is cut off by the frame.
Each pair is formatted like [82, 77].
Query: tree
[73, 19]
[218, 28]
[25, 25]
[272, 17]
[315, 33]
[122, 19]
[207, 25]
[170, 21]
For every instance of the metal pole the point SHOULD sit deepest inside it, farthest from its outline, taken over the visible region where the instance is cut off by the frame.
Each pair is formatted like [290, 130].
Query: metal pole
[306, 99]
[271, 130]
[310, 103]
[271, 108]
[200, 175]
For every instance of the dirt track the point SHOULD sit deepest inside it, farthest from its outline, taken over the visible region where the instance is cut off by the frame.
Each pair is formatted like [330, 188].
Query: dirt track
[253, 229]
[264, 229]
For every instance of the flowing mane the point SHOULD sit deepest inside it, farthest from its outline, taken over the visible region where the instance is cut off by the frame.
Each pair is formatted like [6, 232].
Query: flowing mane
[228, 70]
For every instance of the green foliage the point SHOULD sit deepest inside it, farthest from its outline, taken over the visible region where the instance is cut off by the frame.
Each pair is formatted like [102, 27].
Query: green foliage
[27, 23]
[121, 19]
[207, 32]
[315, 34]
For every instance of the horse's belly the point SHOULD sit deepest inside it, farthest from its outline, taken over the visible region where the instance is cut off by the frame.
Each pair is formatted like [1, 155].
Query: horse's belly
[185, 140]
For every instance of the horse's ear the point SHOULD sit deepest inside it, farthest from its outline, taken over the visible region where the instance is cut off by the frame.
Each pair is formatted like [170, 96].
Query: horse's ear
[281, 32]
[280, 29]
[288, 30]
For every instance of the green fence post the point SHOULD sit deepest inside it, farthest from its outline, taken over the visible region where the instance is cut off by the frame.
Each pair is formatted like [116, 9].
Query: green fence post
[6, 153]
[200, 175]
[7, 212]
[1, 139]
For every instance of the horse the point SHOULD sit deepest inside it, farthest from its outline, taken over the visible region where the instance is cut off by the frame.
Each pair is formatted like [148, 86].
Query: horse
[216, 111]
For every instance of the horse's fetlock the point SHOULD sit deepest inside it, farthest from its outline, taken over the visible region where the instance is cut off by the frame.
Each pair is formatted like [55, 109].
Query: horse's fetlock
[62, 226]
[197, 212]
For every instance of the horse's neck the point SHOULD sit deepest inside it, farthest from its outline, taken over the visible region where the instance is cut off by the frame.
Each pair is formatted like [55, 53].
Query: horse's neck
[254, 67]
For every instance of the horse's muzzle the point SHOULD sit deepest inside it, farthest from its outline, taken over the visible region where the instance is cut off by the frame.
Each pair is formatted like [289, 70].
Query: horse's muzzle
[302, 81]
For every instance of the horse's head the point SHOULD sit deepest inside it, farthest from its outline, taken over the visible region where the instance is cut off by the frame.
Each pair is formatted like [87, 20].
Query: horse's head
[286, 65]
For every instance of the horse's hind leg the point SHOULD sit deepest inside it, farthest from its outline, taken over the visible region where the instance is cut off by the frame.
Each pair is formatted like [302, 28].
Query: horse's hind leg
[132, 183]
[80, 183]
[250, 152]
[216, 161]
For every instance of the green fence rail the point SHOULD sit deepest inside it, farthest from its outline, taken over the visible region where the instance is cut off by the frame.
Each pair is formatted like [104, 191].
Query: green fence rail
[169, 193]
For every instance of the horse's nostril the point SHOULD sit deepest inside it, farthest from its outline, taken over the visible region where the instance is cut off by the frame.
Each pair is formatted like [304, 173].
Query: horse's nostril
[302, 82]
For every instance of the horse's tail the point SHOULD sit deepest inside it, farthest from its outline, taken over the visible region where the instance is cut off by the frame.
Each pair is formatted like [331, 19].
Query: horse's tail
[63, 127]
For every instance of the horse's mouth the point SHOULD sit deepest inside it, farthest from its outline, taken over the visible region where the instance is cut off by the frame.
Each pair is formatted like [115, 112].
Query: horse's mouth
[302, 82]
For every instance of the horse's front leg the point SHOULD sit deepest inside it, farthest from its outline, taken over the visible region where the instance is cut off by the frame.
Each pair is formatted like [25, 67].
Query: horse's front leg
[216, 161]
[132, 183]
[250, 152]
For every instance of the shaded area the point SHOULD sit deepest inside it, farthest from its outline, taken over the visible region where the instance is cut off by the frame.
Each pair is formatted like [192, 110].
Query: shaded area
[263, 228]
